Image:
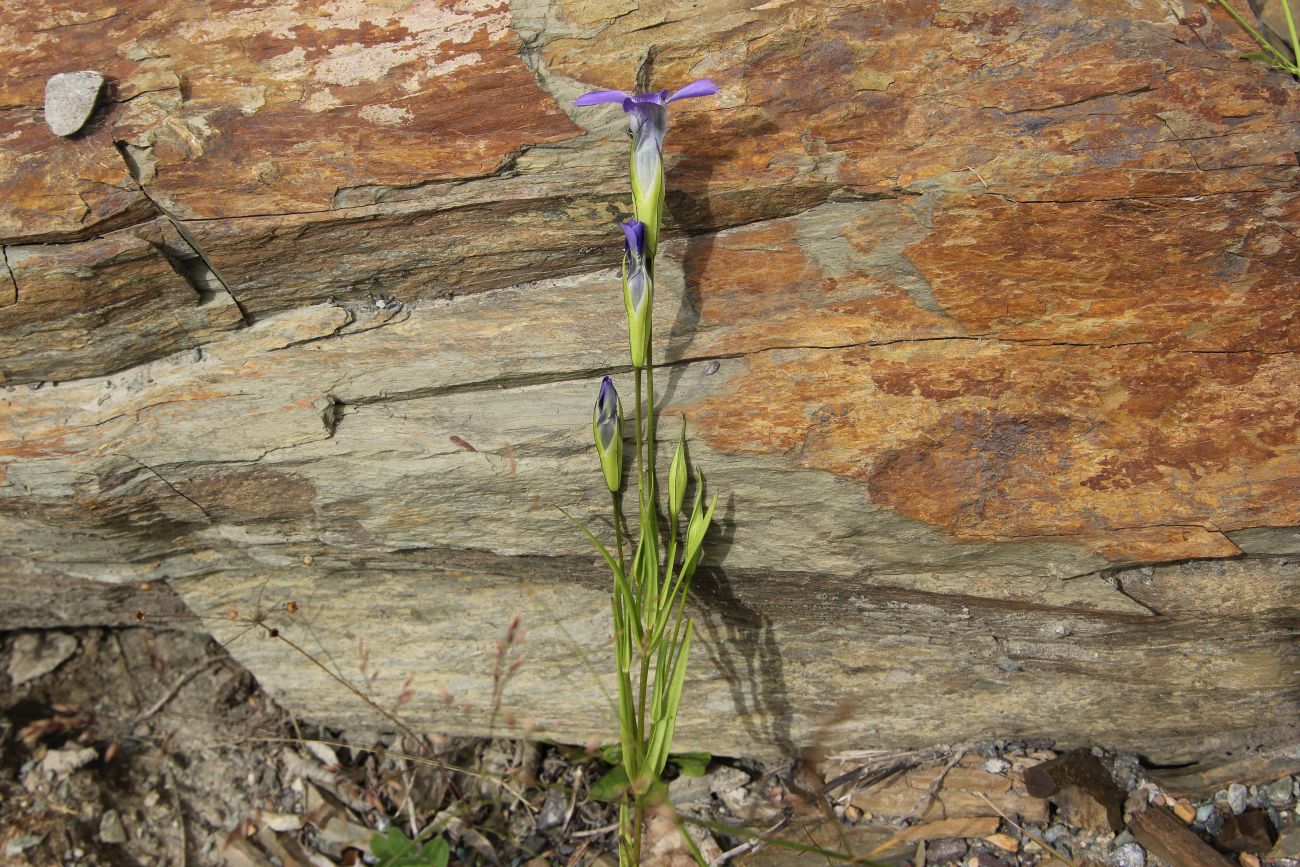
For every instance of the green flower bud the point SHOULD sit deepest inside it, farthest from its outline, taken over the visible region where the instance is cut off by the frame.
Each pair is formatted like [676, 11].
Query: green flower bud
[677, 476]
[607, 430]
[638, 291]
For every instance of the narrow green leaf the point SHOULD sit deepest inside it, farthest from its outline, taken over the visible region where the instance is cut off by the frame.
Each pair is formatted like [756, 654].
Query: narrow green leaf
[1290, 28]
[665, 723]
[1255, 34]
[618, 572]
[656, 754]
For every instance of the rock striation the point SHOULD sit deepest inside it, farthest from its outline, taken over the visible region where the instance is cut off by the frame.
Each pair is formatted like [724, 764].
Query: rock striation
[981, 316]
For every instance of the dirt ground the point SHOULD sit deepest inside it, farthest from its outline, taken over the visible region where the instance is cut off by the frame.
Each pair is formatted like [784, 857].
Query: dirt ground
[148, 745]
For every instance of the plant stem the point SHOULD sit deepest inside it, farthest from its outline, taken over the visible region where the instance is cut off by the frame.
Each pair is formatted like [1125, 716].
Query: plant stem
[618, 531]
[650, 429]
[1259, 39]
[640, 459]
[638, 820]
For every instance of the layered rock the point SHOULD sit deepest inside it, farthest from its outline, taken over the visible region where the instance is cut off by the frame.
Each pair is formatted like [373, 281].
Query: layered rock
[977, 313]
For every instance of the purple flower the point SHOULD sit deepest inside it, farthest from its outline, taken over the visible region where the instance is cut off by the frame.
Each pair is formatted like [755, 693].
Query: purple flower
[648, 121]
[607, 414]
[634, 261]
[607, 430]
[700, 87]
[638, 289]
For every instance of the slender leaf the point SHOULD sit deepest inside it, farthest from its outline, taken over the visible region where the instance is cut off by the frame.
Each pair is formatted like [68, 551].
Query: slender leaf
[1290, 29]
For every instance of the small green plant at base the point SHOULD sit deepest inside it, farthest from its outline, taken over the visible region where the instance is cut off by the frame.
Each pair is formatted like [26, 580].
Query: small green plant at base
[1270, 54]
[395, 849]
[652, 634]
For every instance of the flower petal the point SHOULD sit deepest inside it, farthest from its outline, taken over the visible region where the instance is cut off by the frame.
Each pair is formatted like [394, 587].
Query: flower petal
[596, 97]
[700, 87]
[634, 238]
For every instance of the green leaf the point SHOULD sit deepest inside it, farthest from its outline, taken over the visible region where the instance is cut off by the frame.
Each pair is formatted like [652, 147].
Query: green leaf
[437, 852]
[611, 754]
[691, 764]
[611, 786]
[394, 849]
[604, 552]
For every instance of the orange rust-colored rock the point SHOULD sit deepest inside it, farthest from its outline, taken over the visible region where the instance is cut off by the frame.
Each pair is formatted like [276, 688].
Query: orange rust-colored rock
[976, 314]
[1137, 452]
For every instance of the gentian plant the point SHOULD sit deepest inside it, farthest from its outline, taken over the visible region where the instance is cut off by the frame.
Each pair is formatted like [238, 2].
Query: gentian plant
[652, 634]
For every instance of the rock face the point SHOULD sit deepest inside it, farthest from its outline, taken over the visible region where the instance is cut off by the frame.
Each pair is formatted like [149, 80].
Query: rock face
[982, 317]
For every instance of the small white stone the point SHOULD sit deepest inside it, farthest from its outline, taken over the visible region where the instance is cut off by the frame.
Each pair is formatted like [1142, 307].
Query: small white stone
[70, 99]
[1237, 798]
[997, 766]
[65, 761]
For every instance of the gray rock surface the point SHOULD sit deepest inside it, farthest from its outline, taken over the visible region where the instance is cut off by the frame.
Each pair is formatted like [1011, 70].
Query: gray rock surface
[70, 99]
[38, 653]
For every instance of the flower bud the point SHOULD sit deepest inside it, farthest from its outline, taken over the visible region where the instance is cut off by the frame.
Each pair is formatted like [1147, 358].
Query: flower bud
[638, 291]
[607, 430]
[648, 122]
[677, 476]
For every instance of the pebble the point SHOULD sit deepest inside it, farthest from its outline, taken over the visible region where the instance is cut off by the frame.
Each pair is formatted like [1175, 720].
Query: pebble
[70, 99]
[60, 762]
[1128, 855]
[36, 654]
[997, 766]
[111, 829]
[552, 813]
[1184, 810]
[721, 780]
[1238, 795]
[1005, 842]
[1127, 771]
[1056, 833]
[1278, 793]
[20, 844]
[944, 849]
[1214, 824]
[1203, 813]
[1248, 860]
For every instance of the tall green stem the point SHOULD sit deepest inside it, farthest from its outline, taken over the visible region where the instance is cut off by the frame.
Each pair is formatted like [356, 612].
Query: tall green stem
[640, 459]
[618, 532]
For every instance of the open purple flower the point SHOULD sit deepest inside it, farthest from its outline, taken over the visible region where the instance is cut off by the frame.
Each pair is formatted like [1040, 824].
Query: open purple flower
[699, 87]
[648, 122]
